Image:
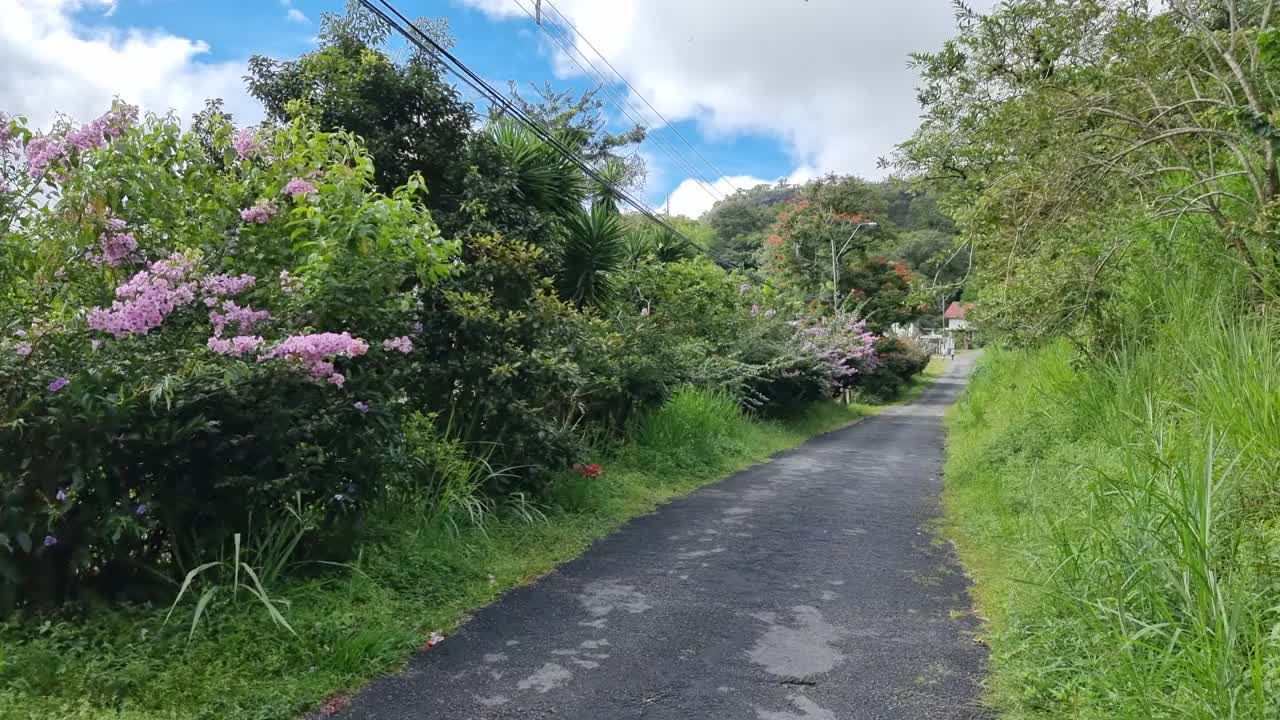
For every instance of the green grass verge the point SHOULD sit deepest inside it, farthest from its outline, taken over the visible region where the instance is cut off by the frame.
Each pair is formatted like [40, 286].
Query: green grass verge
[413, 578]
[1117, 516]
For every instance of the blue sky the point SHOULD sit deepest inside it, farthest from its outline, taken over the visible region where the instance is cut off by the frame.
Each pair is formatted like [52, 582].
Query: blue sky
[764, 89]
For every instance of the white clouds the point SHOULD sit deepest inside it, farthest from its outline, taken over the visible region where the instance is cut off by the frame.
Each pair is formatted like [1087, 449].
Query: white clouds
[293, 14]
[827, 77]
[53, 61]
[692, 198]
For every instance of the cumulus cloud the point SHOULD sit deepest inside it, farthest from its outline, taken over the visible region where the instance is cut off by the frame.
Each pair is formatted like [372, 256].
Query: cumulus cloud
[829, 78]
[692, 198]
[57, 56]
[293, 14]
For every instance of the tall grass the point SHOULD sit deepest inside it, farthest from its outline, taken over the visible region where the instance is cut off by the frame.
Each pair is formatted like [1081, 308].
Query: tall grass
[1121, 520]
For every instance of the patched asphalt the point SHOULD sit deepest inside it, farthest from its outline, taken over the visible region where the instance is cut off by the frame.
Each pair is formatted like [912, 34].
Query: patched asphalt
[811, 587]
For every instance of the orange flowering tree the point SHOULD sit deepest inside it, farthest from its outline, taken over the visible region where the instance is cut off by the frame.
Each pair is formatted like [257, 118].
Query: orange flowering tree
[824, 256]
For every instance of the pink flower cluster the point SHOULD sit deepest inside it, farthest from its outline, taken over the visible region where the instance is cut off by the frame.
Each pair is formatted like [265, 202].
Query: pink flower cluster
[399, 344]
[238, 345]
[313, 353]
[147, 299]
[259, 214]
[246, 144]
[247, 318]
[47, 150]
[116, 243]
[220, 286]
[299, 188]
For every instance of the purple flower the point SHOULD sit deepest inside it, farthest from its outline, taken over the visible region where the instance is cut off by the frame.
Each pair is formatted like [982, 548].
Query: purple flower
[62, 495]
[117, 245]
[310, 352]
[238, 345]
[247, 318]
[743, 288]
[146, 299]
[50, 541]
[399, 344]
[23, 349]
[362, 406]
[141, 509]
[58, 384]
[755, 310]
[246, 144]
[259, 214]
[299, 188]
[226, 285]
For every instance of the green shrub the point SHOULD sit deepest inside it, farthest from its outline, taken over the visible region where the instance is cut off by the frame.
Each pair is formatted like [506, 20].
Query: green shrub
[897, 361]
[195, 339]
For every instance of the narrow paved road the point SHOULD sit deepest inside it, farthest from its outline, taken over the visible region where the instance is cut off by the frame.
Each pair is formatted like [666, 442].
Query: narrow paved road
[808, 588]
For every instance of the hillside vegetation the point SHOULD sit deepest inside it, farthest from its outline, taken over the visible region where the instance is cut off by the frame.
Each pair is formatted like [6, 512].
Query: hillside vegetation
[1112, 475]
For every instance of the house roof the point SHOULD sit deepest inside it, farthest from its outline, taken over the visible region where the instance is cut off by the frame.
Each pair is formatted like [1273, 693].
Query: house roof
[956, 311]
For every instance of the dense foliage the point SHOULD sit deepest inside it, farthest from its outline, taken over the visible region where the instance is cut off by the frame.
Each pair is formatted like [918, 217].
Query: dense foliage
[218, 338]
[1111, 166]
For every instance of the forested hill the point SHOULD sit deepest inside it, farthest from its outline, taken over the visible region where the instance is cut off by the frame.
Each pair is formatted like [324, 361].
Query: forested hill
[913, 228]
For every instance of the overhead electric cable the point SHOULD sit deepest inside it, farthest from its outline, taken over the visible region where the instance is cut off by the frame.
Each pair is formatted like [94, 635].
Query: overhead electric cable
[394, 18]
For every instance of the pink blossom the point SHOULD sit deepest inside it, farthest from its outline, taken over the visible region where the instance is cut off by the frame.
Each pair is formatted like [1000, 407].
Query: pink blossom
[299, 188]
[117, 246]
[362, 406]
[755, 310]
[47, 150]
[247, 318]
[219, 286]
[259, 214]
[146, 299]
[399, 344]
[42, 152]
[246, 144]
[23, 349]
[238, 345]
[311, 351]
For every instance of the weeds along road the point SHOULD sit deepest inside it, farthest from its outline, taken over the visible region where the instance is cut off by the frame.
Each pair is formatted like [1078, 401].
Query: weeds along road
[811, 587]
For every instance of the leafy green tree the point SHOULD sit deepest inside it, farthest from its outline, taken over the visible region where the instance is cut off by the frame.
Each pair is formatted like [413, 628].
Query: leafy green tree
[1062, 132]
[409, 118]
[580, 122]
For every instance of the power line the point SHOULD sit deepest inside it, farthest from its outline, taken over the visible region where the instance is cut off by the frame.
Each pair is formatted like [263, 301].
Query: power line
[477, 83]
[626, 107]
[717, 171]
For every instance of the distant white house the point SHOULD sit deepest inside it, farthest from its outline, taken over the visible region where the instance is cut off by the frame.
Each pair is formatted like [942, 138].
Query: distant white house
[955, 316]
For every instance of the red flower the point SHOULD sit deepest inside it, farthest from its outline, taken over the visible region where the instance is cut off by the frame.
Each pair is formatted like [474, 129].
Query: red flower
[589, 471]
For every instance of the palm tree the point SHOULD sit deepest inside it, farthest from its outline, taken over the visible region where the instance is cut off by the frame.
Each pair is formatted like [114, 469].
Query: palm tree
[593, 248]
[545, 178]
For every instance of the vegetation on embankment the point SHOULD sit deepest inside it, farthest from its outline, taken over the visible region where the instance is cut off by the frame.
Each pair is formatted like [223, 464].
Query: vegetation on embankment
[1119, 517]
[414, 576]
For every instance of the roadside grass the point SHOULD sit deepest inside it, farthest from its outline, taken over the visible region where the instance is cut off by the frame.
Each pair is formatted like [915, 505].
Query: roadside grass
[1119, 518]
[415, 575]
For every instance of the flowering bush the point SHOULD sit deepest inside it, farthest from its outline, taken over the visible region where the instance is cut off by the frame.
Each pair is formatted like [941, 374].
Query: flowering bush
[191, 338]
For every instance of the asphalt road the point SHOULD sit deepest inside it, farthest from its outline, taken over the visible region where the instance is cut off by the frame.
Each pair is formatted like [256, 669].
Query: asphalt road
[811, 587]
